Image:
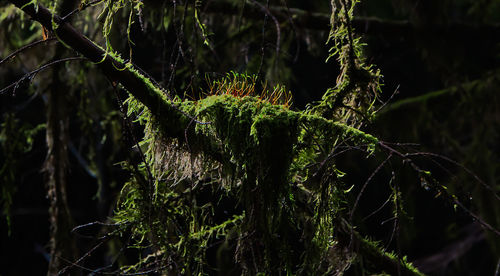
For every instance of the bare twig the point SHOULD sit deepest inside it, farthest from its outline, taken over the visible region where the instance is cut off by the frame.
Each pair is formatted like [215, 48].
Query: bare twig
[26, 47]
[81, 8]
[467, 170]
[94, 223]
[86, 255]
[33, 73]
[406, 158]
[381, 206]
[366, 184]
[276, 23]
[389, 100]
[476, 217]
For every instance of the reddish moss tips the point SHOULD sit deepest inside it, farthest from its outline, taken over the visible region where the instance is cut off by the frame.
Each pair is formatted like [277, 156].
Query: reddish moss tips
[242, 85]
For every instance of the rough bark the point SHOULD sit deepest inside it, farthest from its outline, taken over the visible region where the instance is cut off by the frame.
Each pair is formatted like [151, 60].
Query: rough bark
[62, 244]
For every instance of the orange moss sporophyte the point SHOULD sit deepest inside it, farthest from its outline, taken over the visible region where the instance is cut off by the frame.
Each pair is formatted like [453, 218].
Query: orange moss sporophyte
[243, 85]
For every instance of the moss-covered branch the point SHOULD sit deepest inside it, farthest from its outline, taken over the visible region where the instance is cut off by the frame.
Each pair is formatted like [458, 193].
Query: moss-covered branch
[372, 252]
[112, 66]
[283, 183]
[115, 68]
[174, 121]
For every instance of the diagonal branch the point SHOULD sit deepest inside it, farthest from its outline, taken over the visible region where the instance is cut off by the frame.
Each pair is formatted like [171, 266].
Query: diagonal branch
[368, 25]
[26, 47]
[29, 76]
[74, 39]
[117, 70]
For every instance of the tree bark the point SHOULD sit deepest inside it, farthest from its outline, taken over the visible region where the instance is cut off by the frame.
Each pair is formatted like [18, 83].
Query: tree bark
[62, 245]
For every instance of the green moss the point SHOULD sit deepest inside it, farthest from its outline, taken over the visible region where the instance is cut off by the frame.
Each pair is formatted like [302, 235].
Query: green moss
[264, 150]
[388, 261]
[273, 162]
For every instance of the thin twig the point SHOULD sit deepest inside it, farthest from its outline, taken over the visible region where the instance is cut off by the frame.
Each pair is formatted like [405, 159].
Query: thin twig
[476, 217]
[81, 8]
[33, 73]
[389, 100]
[441, 190]
[276, 23]
[366, 184]
[475, 176]
[94, 223]
[25, 47]
[294, 30]
[86, 255]
[381, 206]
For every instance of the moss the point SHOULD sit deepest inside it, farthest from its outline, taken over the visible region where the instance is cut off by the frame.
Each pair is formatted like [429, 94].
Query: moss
[274, 166]
[387, 261]
[273, 163]
[263, 149]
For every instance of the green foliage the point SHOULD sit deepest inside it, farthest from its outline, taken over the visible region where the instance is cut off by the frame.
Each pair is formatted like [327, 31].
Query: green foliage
[276, 164]
[16, 139]
[110, 9]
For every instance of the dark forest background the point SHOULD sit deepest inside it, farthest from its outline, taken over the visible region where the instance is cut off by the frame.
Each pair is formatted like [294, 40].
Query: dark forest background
[440, 102]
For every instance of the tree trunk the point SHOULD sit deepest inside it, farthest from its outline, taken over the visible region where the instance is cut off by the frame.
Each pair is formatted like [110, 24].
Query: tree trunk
[63, 248]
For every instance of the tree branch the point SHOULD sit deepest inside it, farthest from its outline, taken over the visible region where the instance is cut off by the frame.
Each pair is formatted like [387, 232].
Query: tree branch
[128, 75]
[370, 250]
[71, 37]
[174, 122]
[367, 25]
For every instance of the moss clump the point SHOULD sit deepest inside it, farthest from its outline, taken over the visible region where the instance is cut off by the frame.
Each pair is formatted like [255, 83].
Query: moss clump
[262, 162]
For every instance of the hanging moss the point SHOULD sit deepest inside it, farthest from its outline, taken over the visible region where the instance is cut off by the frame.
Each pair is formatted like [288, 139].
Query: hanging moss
[266, 161]
[272, 164]
[242, 170]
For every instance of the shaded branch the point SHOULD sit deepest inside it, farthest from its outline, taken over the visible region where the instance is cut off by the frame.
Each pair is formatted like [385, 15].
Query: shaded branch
[26, 47]
[407, 159]
[370, 250]
[367, 25]
[32, 74]
[117, 70]
[74, 39]
[171, 118]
